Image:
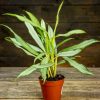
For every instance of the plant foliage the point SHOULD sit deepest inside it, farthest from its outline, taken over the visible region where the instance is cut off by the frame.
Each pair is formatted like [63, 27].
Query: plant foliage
[46, 50]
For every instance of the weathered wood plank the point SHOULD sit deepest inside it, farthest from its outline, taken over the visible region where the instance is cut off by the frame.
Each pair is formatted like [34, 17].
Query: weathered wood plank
[72, 13]
[17, 61]
[18, 9]
[9, 74]
[76, 86]
[48, 2]
[31, 89]
[68, 14]
[64, 98]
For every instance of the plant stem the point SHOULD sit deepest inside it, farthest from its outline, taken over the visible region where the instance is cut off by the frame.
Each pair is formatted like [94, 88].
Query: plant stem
[55, 66]
[50, 72]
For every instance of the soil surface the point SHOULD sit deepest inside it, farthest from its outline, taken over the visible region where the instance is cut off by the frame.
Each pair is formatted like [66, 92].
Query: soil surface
[56, 78]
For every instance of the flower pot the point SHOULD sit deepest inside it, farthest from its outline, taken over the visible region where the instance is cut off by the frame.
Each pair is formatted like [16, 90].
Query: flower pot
[51, 90]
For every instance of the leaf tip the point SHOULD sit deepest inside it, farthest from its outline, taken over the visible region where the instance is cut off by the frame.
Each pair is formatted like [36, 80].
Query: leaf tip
[10, 14]
[5, 14]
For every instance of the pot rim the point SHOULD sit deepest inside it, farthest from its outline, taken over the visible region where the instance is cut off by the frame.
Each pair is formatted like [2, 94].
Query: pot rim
[51, 80]
[52, 83]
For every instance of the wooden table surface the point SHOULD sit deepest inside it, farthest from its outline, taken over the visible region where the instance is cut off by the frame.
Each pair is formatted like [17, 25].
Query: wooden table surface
[76, 86]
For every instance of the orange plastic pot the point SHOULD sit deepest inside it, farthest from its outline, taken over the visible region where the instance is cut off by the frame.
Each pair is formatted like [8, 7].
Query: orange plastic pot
[51, 90]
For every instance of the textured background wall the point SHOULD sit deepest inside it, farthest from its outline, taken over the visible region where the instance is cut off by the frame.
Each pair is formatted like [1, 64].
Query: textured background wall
[83, 14]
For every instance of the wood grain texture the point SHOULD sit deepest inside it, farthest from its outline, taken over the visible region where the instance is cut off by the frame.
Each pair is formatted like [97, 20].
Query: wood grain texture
[69, 13]
[77, 86]
[48, 2]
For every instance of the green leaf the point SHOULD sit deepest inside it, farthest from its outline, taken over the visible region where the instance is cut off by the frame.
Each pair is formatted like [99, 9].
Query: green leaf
[23, 19]
[44, 70]
[50, 32]
[51, 40]
[12, 40]
[21, 41]
[45, 65]
[18, 45]
[76, 31]
[81, 45]
[79, 67]
[44, 33]
[64, 42]
[69, 53]
[34, 35]
[39, 56]
[44, 73]
[33, 18]
[35, 47]
[41, 33]
[57, 16]
[43, 25]
[61, 62]
[33, 68]
[28, 70]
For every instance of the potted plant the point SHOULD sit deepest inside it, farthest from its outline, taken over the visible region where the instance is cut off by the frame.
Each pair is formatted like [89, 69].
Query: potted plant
[46, 52]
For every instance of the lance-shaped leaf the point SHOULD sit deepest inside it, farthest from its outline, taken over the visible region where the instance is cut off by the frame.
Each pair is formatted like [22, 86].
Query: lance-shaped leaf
[44, 70]
[19, 17]
[21, 41]
[43, 25]
[72, 32]
[69, 53]
[33, 68]
[50, 32]
[81, 45]
[18, 45]
[12, 40]
[28, 70]
[64, 41]
[34, 35]
[41, 33]
[39, 56]
[24, 19]
[79, 67]
[52, 41]
[57, 16]
[35, 47]
[33, 18]
[61, 62]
